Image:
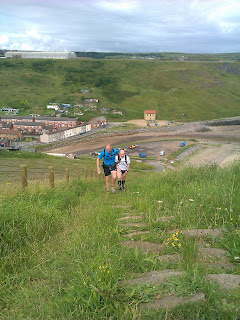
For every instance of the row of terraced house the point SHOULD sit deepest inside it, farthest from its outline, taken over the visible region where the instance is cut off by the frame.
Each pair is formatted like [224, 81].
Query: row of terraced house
[49, 129]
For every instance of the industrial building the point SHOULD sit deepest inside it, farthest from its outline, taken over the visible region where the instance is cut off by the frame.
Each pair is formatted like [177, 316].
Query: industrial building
[40, 54]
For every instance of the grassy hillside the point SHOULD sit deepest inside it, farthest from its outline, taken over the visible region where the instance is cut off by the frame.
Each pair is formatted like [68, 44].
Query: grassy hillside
[197, 90]
[61, 256]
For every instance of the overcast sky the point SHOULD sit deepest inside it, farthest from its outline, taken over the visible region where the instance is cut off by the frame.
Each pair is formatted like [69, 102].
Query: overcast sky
[192, 26]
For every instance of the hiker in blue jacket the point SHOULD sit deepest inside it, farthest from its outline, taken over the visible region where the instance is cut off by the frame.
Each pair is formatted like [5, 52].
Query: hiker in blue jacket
[109, 165]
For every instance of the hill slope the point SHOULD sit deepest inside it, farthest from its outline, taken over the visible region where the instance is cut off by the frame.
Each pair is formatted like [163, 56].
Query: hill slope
[197, 90]
[62, 253]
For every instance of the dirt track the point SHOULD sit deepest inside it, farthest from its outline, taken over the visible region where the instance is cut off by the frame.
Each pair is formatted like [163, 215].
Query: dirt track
[228, 150]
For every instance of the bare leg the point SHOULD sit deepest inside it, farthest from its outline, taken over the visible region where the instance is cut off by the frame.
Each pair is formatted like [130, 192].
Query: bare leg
[119, 174]
[108, 183]
[124, 176]
[114, 177]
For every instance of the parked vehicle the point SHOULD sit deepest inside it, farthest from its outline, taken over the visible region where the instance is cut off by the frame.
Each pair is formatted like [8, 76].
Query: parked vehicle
[183, 144]
[133, 146]
[142, 155]
[169, 122]
[71, 156]
[156, 124]
[148, 124]
[162, 152]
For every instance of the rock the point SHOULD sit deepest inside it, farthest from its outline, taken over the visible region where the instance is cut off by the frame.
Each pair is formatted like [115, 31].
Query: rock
[132, 212]
[220, 265]
[200, 232]
[121, 206]
[133, 224]
[129, 218]
[172, 301]
[153, 277]
[144, 246]
[130, 235]
[212, 253]
[165, 219]
[170, 257]
[226, 281]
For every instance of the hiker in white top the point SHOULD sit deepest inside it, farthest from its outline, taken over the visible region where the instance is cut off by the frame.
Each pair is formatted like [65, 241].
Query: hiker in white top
[123, 165]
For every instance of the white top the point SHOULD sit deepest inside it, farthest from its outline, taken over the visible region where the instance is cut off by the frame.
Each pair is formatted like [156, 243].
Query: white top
[124, 161]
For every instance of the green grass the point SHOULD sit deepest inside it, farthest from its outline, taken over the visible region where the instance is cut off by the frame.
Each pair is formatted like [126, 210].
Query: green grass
[197, 90]
[61, 256]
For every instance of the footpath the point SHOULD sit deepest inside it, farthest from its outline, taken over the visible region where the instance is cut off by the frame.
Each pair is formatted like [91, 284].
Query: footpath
[135, 229]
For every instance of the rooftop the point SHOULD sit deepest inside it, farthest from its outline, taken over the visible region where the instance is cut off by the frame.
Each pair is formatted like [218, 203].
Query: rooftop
[150, 111]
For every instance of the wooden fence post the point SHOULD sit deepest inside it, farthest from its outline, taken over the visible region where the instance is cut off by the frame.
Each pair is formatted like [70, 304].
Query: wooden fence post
[51, 176]
[67, 174]
[91, 173]
[85, 173]
[23, 170]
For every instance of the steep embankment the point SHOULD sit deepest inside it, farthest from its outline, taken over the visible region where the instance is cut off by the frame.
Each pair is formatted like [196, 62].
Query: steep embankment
[197, 90]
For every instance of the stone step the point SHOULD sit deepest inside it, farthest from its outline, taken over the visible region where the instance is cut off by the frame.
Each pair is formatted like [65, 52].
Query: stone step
[130, 218]
[172, 301]
[170, 258]
[133, 234]
[133, 224]
[144, 246]
[200, 232]
[212, 253]
[121, 206]
[226, 281]
[219, 265]
[152, 277]
[131, 212]
[165, 219]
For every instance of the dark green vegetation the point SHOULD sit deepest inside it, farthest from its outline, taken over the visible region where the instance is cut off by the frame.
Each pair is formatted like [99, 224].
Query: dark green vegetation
[165, 56]
[61, 256]
[197, 90]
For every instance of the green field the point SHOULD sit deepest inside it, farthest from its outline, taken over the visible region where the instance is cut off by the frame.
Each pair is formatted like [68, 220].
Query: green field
[61, 253]
[197, 90]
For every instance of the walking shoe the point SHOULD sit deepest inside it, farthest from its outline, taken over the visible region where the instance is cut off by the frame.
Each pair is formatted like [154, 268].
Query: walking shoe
[113, 189]
[120, 188]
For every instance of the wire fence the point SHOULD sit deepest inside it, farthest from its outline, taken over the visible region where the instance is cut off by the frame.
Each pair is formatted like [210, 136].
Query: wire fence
[23, 174]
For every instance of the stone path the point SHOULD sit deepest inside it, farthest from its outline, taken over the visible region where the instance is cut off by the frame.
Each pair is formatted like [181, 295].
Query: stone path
[133, 224]
[130, 218]
[165, 219]
[199, 233]
[226, 281]
[144, 246]
[136, 233]
[209, 257]
[172, 301]
[153, 277]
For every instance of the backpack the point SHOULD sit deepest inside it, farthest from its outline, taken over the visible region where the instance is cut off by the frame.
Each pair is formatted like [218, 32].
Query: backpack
[125, 158]
[105, 152]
